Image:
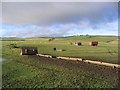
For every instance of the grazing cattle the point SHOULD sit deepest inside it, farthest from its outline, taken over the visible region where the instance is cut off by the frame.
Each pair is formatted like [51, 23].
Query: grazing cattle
[78, 43]
[53, 57]
[71, 43]
[54, 49]
[51, 39]
[94, 43]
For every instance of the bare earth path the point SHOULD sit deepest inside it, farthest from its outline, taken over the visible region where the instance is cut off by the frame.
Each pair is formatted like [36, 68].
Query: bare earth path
[87, 61]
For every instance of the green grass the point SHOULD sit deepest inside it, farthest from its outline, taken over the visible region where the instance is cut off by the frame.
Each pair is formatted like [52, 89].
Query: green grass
[104, 51]
[30, 72]
[107, 52]
[11, 39]
[34, 73]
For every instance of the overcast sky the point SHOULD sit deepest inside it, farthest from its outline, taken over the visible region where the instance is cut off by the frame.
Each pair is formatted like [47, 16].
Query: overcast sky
[35, 19]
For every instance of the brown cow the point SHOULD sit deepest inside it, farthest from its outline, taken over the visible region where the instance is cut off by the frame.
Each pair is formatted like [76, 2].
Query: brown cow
[94, 43]
[78, 43]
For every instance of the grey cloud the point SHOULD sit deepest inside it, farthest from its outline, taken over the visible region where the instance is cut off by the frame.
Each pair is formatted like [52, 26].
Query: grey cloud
[58, 19]
[82, 27]
[0, 12]
[60, 0]
[48, 13]
[38, 31]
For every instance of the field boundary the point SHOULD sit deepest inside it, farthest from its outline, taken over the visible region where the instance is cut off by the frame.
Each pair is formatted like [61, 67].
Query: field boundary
[83, 60]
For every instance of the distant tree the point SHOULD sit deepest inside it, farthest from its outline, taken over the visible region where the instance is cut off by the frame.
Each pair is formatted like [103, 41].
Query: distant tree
[87, 34]
[90, 36]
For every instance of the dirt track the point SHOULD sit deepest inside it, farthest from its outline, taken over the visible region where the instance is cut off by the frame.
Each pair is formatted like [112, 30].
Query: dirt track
[87, 61]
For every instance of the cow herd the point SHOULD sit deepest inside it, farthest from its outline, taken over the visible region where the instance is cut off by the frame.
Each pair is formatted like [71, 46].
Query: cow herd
[94, 43]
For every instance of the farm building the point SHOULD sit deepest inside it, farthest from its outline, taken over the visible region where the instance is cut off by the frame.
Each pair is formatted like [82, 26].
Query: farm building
[29, 51]
[78, 43]
[94, 43]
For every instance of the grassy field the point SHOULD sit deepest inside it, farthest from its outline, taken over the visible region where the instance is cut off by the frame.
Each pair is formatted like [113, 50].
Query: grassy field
[36, 72]
[107, 50]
